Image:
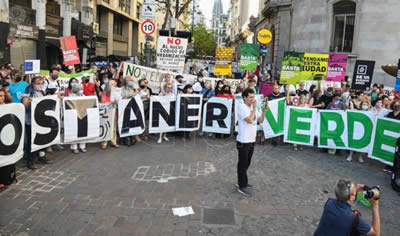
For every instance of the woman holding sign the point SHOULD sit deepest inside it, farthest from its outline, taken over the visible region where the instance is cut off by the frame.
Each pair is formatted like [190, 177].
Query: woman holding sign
[167, 91]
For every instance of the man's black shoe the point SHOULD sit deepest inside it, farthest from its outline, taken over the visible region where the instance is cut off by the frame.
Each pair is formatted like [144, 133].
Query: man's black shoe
[244, 191]
[31, 166]
[248, 186]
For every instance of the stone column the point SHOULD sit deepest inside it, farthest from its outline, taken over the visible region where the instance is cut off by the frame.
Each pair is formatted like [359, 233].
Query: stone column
[40, 7]
[130, 38]
[66, 10]
[110, 33]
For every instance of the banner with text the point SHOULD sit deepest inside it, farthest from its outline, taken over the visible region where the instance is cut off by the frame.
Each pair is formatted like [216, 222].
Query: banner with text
[171, 53]
[249, 54]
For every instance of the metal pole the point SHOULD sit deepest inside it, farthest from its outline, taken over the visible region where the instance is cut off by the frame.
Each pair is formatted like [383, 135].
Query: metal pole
[147, 49]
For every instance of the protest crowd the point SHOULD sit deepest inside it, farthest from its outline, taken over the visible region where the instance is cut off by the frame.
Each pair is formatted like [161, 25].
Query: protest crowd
[16, 88]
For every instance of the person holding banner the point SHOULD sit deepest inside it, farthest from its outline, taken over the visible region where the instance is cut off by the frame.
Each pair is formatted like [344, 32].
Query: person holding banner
[51, 85]
[17, 89]
[76, 91]
[248, 118]
[34, 90]
[3, 97]
[128, 91]
[168, 88]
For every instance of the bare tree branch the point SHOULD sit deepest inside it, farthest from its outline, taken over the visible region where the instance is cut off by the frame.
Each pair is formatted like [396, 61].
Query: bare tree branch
[183, 8]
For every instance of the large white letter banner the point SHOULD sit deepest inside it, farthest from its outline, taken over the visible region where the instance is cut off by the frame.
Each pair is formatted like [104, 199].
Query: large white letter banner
[131, 117]
[217, 115]
[188, 112]
[12, 127]
[162, 114]
[45, 117]
[78, 111]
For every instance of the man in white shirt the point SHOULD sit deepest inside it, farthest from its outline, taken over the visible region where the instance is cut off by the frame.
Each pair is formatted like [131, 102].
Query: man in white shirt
[248, 117]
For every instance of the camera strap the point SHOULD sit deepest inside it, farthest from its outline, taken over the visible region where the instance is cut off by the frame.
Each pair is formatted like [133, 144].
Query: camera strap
[354, 225]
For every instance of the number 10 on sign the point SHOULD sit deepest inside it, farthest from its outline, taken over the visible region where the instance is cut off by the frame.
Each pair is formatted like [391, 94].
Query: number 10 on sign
[148, 27]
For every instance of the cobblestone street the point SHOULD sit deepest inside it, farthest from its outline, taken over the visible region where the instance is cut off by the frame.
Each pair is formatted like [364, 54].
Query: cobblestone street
[131, 191]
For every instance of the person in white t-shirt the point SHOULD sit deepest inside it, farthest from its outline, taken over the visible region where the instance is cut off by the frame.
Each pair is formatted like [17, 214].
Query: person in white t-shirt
[248, 117]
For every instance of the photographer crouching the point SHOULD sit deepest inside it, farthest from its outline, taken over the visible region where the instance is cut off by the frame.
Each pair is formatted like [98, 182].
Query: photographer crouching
[338, 218]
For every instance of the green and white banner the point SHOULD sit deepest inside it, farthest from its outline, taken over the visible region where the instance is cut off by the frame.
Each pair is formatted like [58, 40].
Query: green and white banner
[274, 122]
[300, 125]
[383, 143]
[331, 129]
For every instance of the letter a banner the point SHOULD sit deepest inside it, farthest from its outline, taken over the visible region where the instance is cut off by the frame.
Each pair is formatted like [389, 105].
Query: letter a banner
[300, 125]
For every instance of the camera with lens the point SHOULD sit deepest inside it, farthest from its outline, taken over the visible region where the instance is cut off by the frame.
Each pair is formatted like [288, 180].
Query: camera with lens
[372, 192]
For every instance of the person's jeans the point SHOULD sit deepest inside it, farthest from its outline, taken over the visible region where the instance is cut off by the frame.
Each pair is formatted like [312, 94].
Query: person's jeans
[245, 151]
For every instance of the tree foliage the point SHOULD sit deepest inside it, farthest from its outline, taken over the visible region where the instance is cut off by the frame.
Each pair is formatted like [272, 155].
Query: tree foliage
[203, 41]
[167, 6]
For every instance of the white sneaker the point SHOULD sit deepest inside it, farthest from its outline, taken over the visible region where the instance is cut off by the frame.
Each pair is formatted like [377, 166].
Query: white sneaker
[361, 160]
[166, 139]
[350, 158]
[159, 140]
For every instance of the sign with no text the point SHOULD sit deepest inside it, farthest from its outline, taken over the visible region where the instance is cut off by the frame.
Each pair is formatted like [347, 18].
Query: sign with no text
[264, 36]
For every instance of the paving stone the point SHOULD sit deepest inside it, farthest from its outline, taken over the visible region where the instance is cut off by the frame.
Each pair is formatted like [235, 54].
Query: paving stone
[218, 216]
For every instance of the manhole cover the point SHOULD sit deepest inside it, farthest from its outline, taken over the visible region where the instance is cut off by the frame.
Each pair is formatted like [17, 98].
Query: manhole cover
[218, 216]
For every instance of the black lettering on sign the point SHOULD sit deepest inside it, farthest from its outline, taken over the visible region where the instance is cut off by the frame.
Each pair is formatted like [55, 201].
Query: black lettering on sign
[210, 117]
[46, 121]
[168, 116]
[10, 119]
[127, 123]
[185, 112]
[81, 107]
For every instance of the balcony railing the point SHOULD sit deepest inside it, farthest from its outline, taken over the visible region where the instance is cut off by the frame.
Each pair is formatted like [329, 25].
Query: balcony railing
[22, 15]
[54, 25]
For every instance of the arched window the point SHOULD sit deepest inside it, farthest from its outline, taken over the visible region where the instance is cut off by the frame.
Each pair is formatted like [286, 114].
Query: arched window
[344, 13]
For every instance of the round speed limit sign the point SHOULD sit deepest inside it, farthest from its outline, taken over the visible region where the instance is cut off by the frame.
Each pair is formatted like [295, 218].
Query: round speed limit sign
[148, 27]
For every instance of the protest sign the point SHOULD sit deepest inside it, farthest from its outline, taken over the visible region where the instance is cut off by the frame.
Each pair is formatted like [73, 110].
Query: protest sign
[337, 65]
[223, 61]
[45, 118]
[300, 125]
[116, 94]
[360, 125]
[69, 49]
[362, 77]
[383, 143]
[63, 78]
[131, 117]
[397, 84]
[331, 129]
[217, 115]
[189, 109]
[292, 65]
[153, 76]
[249, 54]
[315, 66]
[171, 53]
[31, 67]
[12, 133]
[107, 123]
[78, 111]
[273, 125]
[162, 114]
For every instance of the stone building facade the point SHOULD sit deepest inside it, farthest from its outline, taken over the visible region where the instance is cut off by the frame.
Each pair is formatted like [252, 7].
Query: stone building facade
[363, 29]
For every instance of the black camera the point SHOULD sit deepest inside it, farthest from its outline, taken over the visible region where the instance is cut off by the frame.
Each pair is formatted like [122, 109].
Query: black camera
[372, 192]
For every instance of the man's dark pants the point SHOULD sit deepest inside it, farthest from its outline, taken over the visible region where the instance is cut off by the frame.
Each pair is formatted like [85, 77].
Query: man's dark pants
[245, 151]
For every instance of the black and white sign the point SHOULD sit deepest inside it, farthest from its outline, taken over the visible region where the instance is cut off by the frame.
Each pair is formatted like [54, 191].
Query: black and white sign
[363, 72]
[107, 121]
[162, 114]
[171, 53]
[189, 109]
[131, 117]
[148, 27]
[45, 117]
[217, 115]
[12, 122]
[149, 10]
[78, 111]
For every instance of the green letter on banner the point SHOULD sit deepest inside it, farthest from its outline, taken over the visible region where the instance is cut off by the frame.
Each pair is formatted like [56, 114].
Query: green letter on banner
[295, 124]
[277, 126]
[325, 133]
[381, 139]
[366, 122]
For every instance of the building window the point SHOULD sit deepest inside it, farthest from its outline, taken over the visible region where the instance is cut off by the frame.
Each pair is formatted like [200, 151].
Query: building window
[344, 13]
[125, 6]
[138, 11]
[106, 1]
[118, 24]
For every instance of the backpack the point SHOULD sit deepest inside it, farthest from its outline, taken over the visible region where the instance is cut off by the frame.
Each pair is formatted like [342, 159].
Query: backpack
[8, 174]
[354, 224]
